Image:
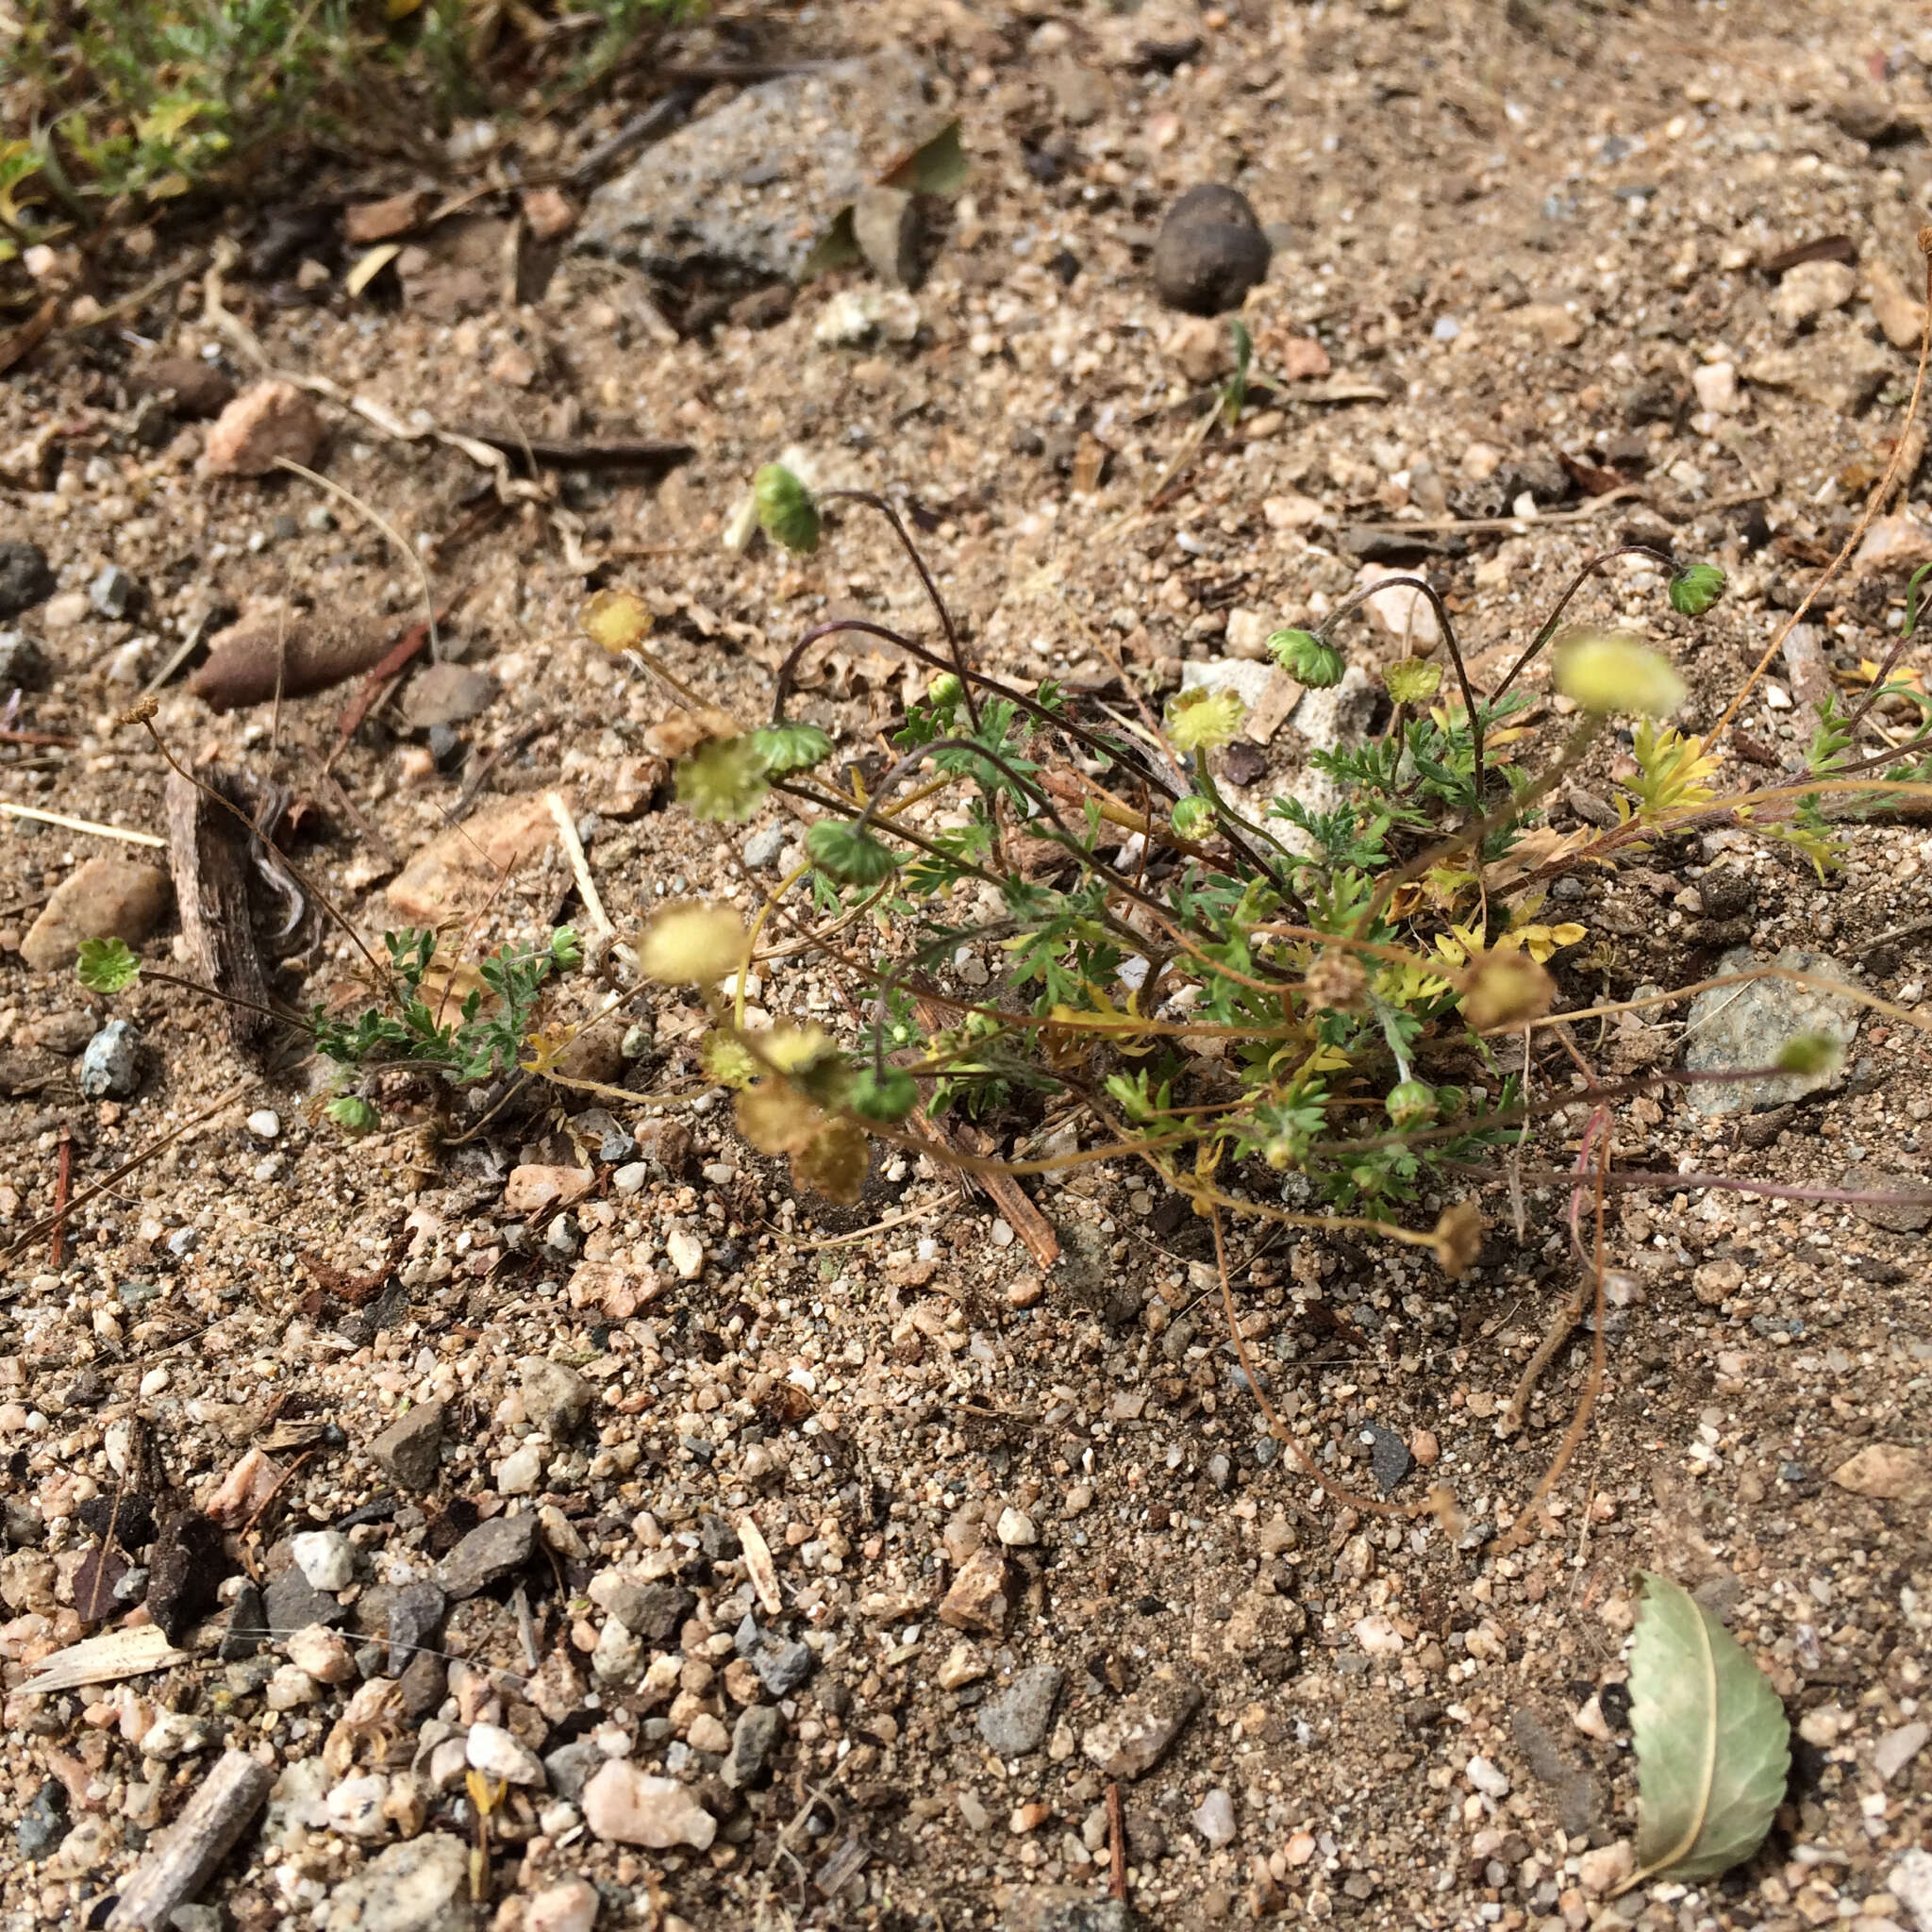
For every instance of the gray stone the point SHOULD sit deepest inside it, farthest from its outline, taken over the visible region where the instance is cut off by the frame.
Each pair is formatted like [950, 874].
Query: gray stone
[409, 1449]
[1066, 1908]
[420, 1886]
[571, 1766]
[490, 1551]
[43, 1824]
[764, 845]
[448, 694]
[1014, 1721]
[22, 662]
[423, 1683]
[741, 197]
[1734, 1027]
[654, 1611]
[112, 593]
[753, 1741]
[782, 1667]
[555, 1398]
[293, 1603]
[110, 1066]
[1388, 1456]
[415, 1617]
[24, 579]
[1901, 1217]
[1213, 1818]
[885, 224]
[1210, 251]
[1133, 1741]
[246, 1624]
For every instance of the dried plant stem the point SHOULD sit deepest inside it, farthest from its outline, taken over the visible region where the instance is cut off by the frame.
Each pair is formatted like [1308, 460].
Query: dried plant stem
[1572, 1437]
[1881, 494]
[68, 824]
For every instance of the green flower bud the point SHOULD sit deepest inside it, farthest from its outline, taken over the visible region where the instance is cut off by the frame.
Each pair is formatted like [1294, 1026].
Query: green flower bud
[1695, 589]
[1191, 816]
[884, 1096]
[1306, 658]
[352, 1113]
[1411, 1103]
[786, 511]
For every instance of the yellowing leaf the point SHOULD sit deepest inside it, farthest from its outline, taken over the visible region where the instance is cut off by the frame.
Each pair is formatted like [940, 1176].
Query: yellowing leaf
[834, 1164]
[1713, 1744]
[370, 265]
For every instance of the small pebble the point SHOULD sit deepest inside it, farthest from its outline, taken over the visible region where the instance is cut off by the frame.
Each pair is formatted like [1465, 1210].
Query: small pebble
[1213, 1818]
[265, 1124]
[324, 1557]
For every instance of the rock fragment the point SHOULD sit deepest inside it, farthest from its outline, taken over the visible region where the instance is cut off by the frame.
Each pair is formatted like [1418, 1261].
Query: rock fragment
[105, 899]
[1210, 251]
[265, 422]
[1134, 1740]
[626, 1805]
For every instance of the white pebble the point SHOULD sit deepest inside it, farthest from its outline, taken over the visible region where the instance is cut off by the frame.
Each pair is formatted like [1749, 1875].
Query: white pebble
[496, 1754]
[1016, 1528]
[520, 1471]
[265, 1124]
[324, 1557]
[1488, 1778]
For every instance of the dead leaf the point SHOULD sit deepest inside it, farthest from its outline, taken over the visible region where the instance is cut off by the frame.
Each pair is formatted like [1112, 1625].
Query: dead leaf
[108, 1658]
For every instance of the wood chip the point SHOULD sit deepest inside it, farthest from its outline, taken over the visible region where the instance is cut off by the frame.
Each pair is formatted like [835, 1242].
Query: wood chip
[207, 853]
[186, 1855]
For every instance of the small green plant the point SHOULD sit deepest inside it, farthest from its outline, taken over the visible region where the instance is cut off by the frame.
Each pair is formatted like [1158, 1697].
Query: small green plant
[489, 1030]
[153, 98]
[493, 1019]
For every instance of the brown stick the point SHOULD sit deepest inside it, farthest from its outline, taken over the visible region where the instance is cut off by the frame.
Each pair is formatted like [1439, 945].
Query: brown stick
[63, 1179]
[1116, 1845]
[199, 1840]
[205, 854]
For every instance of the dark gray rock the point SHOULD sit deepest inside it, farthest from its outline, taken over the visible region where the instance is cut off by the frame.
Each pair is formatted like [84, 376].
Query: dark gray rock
[293, 1603]
[43, 1824]
[490, 1551]
[22, 662]
[415, 1619]
[739, 198]
[1905, 1216]
[1210, 251]
[1388, 1456]
[571, 1766]
[655, 1612]
[782, 1667]
[24, 579]
[751, 1744]
[409, 1450]
[1013, 1721]
[248, 1624]
[717, 1538]
[424, 1684]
